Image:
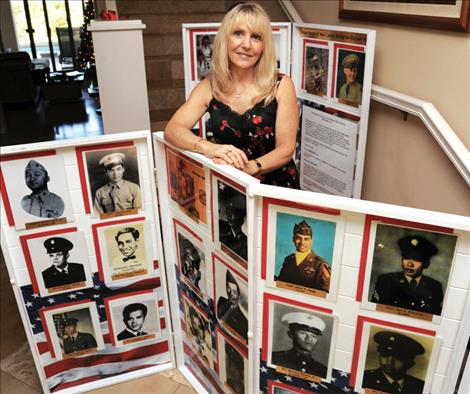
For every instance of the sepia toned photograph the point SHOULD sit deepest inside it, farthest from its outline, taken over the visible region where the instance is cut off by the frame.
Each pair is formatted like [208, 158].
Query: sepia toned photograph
[133, 317]
[40, 196]
[409, 268]
[231, 296]
[315, 72]
[57, 263]
[349, 76]
[113, 181]
[187, 185]
[204, 42]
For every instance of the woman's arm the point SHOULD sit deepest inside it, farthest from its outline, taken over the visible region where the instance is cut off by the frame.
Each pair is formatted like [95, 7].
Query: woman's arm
[287, 124]
[178, 130]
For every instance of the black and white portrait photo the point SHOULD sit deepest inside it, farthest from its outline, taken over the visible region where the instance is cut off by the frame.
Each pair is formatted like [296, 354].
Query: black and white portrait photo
[57, 263]
[410, 267]
[231, 221]
[134, 317]
[43, 196]
[203, 57]
[231, 295]
[113, 178]
[233, 364]
[301, 340]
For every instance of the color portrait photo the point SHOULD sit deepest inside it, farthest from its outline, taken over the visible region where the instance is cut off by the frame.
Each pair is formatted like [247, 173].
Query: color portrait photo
[349, 76]
[315, 72]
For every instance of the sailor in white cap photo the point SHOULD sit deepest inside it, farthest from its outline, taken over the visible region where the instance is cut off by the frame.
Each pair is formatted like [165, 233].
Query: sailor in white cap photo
[118, 194]
[304, 330]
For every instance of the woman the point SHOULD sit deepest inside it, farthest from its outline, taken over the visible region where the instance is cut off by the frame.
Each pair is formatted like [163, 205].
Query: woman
[253, 109]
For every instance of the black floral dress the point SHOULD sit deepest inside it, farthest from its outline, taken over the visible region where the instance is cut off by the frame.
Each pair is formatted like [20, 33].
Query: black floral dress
[254, 133]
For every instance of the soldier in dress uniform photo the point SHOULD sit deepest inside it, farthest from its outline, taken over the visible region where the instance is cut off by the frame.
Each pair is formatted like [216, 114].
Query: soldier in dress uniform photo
[350, 91]
[410, 288]
[118, 194]
[41, 202]
[75, 340]
[396, 354]
[304, 267]
[304, 330]
[133, 316]
[61, 272]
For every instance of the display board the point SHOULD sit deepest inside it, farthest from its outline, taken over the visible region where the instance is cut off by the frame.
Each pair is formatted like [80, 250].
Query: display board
[81, 239]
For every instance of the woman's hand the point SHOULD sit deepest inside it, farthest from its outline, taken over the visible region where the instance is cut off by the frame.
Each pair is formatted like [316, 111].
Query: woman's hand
[225, 154]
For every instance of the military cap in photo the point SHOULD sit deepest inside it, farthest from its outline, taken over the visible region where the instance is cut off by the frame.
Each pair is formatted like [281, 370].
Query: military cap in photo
[415, 247]
[350, 61]
[230, 278]
[57, 244]
[303, 228]
[33, 165]
[69, 321]
[313, 322]
[112, 159]
[397, 345]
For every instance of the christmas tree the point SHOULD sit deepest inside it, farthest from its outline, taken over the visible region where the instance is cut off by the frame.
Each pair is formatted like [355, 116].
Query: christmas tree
[86, 54]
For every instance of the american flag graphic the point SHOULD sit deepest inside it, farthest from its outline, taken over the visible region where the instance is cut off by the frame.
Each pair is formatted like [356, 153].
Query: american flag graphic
[111, 361]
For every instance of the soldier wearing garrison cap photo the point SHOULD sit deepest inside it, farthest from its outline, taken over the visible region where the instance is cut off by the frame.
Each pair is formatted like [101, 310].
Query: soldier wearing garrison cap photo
[304, 267]
[410, 288]
[41, 202]
[396, 354]
[351, 91]
[74, 340]
[305, 330]
[118, 194]
[61, 272]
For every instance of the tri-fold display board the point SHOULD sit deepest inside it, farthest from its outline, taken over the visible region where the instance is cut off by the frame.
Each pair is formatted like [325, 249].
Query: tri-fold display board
[253, 289]
[331, 68]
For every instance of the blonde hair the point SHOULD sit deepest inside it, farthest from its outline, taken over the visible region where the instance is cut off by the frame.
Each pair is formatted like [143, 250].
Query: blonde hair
[265, 70]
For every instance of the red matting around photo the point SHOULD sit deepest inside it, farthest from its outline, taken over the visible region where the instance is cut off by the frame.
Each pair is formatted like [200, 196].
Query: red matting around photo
[192, 43]
[304, 57]
[335, 59]
[3, 189]
[365, 242]
[357, 341]
[27, 255]
[271, 297]
[81, 165]
[242, 351]
[264, 225]
[97, 242]
[272, 384]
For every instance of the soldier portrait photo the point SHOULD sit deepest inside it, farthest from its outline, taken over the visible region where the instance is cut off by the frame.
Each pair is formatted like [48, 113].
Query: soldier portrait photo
[304, 253]
[315, 70]
[114, 183]
[396, 362]
[349, 76]
[411, 268]
[192, 261]
[301, 340]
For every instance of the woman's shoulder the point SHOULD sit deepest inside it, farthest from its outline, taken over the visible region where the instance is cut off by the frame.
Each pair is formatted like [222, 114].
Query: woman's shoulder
[202, 92]
[285, 85]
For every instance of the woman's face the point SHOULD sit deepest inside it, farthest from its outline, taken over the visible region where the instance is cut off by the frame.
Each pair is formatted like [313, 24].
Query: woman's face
[245, 47]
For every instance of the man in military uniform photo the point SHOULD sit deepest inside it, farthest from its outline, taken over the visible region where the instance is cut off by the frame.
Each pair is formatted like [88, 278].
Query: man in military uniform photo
[41, 202]
[118, 194]
[304, 267]
[396, 353]
[133, 316]
[409, 288]
[351, 91]
[304, 330]
[61, 272]
[75, 340]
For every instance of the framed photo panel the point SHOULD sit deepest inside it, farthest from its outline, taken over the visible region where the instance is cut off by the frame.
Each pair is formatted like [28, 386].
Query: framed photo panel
[192, 256]
[123, 249]
[198, 331]
[298, 339]
[72, 329]
[133, 317]
[232, 362]
[406, 267]
[229, 218]
[392, 357]
[301, 248]
[230, 298]
[187, 185]
[110, 179]
[57, 261]
[42, 199]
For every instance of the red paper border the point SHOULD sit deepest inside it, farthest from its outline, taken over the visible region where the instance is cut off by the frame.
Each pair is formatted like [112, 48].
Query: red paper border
[81, 165]
[96, 242]
[365, 242]
[337, 46]
[357, 341]
[304, 50]
[289, 204]
[267, 297]
[191, 47]
[273, 383]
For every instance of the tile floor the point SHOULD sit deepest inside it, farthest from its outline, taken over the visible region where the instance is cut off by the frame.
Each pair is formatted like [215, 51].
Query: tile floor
[18, 373]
